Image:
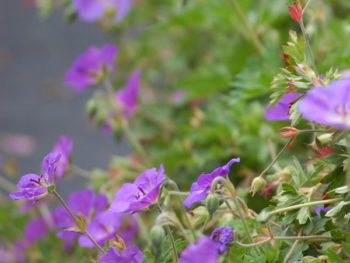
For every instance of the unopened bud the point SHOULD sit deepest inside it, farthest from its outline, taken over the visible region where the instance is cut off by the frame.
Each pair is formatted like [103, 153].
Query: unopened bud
[289, 132]
[157, 235]
[91, 108]
[157, 239]
[258, 184]
[212, 203]
[296, 11]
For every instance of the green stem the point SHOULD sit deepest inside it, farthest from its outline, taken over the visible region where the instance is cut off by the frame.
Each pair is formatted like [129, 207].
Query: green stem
[276, 158]
[248, 31]
[290, 252]
[178, 193]
[64, 204]
[299, 238]
[134, 142]
[170, 234]
[308, 46]
[306, 5]
[242, 217]
[322, 202]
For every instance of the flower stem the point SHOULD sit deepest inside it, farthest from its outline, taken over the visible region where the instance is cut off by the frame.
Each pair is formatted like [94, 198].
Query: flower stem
[322, 202]
[245, 225]
[248, 31]
[309, 53]
[276, 158]
[306, 5]
[290, 252]
[64, 204]
[172, 239]
[134, 141]
[299, 238]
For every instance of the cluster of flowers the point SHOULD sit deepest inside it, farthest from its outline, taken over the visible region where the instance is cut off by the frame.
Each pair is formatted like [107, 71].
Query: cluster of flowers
[113, 222]
[90, 218]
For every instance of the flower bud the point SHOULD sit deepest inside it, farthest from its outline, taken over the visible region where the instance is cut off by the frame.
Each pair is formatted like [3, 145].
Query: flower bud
[91, 107]
[258, 184]
[296, 11]
[157, 235]
[212, 203]
[289, 132]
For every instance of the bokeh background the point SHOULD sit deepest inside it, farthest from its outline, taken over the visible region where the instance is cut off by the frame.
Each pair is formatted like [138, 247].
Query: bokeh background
[35, 106]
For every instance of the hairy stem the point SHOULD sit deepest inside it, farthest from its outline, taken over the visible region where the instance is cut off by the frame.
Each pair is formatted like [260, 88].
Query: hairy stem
[242, 217]
[299, 238]
[276, 158]
[308, 46]
[64, 204]
[290, 252]
[172, 239]
[314, 203]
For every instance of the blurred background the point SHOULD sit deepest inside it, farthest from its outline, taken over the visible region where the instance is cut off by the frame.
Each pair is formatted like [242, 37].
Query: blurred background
[35, 107]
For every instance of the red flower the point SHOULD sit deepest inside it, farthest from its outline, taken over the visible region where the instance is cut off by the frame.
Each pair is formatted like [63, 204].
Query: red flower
[296, 11]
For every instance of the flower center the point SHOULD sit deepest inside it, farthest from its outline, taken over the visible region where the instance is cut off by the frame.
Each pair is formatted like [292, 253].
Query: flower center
[140, 194]
[37, 182]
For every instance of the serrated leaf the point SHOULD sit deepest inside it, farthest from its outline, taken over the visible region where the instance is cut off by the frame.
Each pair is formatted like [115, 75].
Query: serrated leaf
[303, 215]
[335, 210]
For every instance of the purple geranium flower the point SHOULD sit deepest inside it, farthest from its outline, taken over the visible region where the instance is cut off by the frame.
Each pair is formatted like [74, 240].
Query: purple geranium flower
[140, 194]
[90, 67]
[64, 147]
[201, 188]
[35, 230]
[204, 251]
[320, 208]
[34, 186]
[280, 111]
[328, 106]
[103, 227]
[222, 236]
[131, 254]
[92, 10]
[82, 203]
[127, 97]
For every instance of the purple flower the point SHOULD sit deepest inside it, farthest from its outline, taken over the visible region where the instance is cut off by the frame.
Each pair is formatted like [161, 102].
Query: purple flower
[140, 194]
[82, 203]
[102, 228]
[222, 236]
[328, 106]
[131, 254]
[204, 251]
[201, 188]
[280, 111]
[92, 10]
[90, 67]
[320, 208]
[35, 230]
[127, 97]
[64, 147]
[34, 186]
